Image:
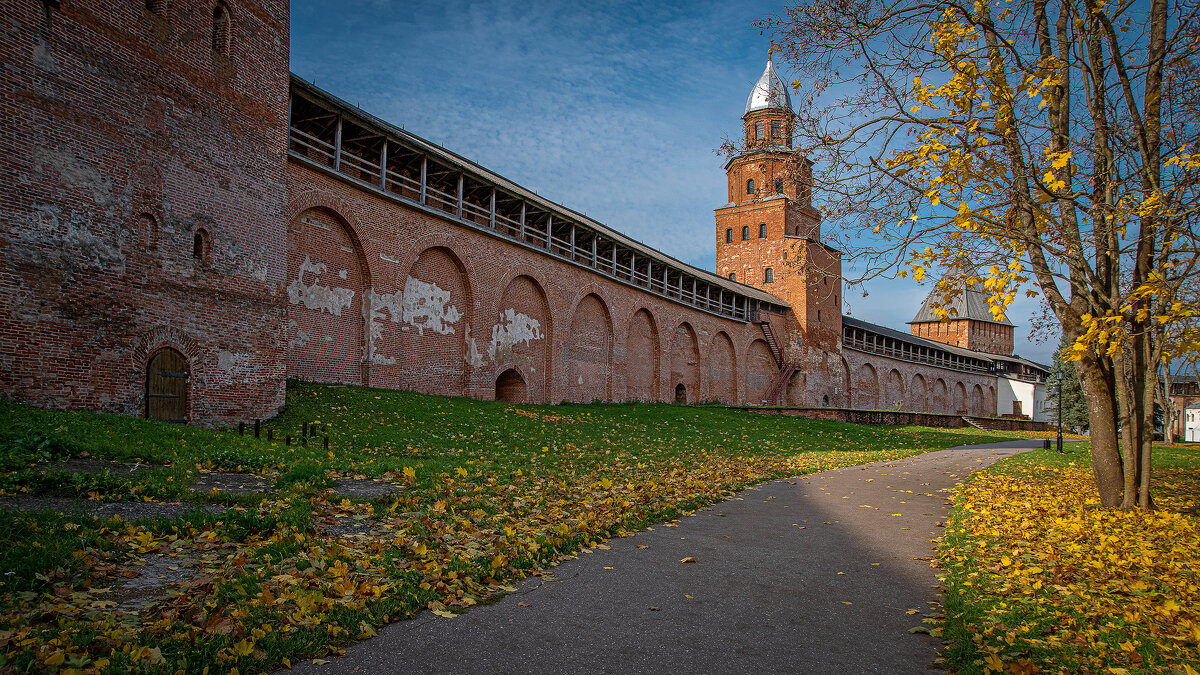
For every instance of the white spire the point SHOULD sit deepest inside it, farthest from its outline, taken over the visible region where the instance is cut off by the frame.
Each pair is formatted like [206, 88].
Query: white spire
[769, 91]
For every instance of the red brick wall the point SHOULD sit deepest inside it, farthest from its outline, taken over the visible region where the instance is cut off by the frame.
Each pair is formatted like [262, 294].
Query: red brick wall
[126, 135]
[620, 340]
[685, 363]
[642, 359]
[983, 336]
[878, 383]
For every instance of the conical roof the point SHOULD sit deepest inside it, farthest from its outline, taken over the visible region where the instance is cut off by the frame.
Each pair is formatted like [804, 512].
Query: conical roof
[769, 92]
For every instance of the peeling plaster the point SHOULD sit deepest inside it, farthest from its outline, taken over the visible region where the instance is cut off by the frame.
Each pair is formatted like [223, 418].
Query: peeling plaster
[425, 306]
[514, 328]
[316, 297]
[473, 356]
[301, 338]
[373, 306]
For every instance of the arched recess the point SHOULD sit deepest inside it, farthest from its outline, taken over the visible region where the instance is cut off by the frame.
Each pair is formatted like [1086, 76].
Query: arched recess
[976, 406]
[685, 358]
[642, 358]
[842, 394]
[722, 369]
[760, 368]
[939, 399]
[327, 275]
[435, 311]
[681, 394]
[893, 397]
[917, 399]
[167, 386]
[588, 351]
[959, 405]
[990, 403]
[521, 336]
[510, 387]
[866, 388]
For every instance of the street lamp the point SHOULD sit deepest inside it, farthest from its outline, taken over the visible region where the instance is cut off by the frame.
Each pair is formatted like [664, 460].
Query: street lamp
[1058, 393]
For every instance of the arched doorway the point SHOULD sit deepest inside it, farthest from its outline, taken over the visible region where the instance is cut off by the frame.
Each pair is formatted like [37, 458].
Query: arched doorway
[510, 387]
[680, 393]
[167, 387]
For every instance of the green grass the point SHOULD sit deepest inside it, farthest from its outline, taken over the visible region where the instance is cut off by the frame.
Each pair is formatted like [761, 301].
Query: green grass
[492, 491]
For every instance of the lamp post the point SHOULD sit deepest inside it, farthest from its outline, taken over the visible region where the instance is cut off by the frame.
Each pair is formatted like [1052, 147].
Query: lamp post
[1058, 393]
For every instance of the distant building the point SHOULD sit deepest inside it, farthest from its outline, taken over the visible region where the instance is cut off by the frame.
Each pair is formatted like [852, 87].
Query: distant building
[1191, 423]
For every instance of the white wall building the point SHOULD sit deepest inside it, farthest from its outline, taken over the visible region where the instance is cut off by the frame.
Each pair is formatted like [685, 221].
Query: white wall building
[1191, 423]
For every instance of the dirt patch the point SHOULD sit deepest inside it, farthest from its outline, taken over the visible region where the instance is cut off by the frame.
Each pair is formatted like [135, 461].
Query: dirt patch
[154, 575]
[231, 483]
[365, 488]
[94, 465]
[126, 510]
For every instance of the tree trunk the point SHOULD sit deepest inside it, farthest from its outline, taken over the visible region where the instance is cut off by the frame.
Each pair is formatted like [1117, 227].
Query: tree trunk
[1102, 416]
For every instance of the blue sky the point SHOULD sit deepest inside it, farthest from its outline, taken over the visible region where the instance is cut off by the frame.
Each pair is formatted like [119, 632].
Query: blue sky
[611, 108]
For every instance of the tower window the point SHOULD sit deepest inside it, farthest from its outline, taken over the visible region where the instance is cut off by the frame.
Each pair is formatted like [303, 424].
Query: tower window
[733, 276]
[729, 235]
[745, 233]
[750, 186]
[762, 230]
[758, 130]
[768, 275]
[220, 29]
[775, 129]
[778, 186]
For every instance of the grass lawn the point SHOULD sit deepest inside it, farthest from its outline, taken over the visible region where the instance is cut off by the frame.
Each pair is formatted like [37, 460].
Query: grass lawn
[491, 493]
[1039, 577]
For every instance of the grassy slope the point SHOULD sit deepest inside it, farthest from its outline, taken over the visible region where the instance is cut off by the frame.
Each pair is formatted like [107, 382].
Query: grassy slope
[493, 492]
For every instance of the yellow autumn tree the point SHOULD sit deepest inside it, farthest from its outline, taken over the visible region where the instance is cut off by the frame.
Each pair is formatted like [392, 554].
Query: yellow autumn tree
[1053, 144]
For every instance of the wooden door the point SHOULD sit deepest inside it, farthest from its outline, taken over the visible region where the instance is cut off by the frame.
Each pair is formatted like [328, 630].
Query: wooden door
[167, 387]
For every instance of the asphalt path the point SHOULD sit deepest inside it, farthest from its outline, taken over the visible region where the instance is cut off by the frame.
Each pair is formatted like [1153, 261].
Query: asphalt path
[813, 574]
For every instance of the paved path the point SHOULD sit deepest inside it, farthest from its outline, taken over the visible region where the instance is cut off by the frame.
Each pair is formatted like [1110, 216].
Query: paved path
[805, 575]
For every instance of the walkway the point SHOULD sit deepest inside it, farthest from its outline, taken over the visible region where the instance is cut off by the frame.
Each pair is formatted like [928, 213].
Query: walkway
[807, 575]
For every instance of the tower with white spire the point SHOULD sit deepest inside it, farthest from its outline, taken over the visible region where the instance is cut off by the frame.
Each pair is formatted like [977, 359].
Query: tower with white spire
[768, 234]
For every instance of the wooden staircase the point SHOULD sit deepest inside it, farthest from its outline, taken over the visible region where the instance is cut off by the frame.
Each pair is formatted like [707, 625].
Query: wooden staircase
[778, 383]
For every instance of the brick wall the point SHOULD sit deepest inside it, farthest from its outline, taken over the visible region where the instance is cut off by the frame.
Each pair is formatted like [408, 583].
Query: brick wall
[881, 383]
[984, 336]
[449, 309]
[127, 137]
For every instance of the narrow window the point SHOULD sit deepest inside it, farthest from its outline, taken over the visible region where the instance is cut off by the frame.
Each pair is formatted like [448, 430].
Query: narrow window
[220, 30]
[158, 7]
[775, 129]
[785, 255]
[768, 275]
[778, 186]
[733, 276]
[750, 186]
[818, 316]
[758, 130]
[762, 230]
[200, 247]
[729, 235]
[745, 233]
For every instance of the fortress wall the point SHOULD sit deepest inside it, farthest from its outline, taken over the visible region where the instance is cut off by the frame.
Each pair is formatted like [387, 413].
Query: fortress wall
[881, 383]
[426, 304]
[126, 136]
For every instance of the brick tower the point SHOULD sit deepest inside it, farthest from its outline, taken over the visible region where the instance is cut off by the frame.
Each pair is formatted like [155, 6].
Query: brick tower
[769, 234]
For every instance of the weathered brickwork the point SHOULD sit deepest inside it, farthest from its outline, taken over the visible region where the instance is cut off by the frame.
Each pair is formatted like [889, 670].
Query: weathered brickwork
[993, 338]
[880, 383]
[143, 202]
[450, 310]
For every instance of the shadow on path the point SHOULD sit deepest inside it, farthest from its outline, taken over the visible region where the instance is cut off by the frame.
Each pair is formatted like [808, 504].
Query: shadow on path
[806, 575]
